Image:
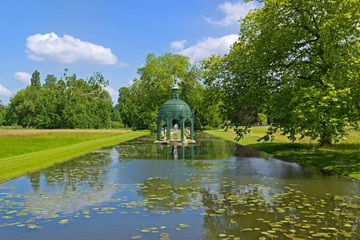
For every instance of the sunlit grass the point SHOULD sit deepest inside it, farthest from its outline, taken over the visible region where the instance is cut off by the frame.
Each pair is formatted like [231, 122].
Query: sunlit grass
[51, 147]
[342, 157]
[15, 142]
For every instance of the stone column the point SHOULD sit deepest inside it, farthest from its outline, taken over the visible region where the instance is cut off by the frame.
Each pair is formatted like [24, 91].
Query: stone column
[192, 129]
[182, 128]
[168, 127]
[159, 129]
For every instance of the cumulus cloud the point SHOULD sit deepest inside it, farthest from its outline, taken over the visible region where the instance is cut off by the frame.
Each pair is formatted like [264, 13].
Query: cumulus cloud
[208, 46]
[4, 92]
[178, 45]
[113, 93]
[233, 12]
[23, 77]
[67, 49]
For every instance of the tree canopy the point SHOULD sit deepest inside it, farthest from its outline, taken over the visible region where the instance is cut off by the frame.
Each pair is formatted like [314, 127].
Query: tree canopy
[65, 103]
[296, 60]
[2, 113]
[139, 103]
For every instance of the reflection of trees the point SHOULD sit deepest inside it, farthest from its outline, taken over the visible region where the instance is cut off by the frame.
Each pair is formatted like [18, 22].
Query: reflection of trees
[89, 169]
[80, 183]
[138, 148]
[163, 195]
[243, 151]
[35, 180]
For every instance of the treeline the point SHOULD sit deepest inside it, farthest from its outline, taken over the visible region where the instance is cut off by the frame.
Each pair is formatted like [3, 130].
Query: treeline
[68, 102]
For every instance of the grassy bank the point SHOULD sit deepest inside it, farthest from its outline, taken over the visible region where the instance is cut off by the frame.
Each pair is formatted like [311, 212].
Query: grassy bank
[15, 142]
[342, 158]
[44, 148]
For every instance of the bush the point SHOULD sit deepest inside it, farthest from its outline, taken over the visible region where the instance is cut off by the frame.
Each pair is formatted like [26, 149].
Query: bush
[207, 127]
[117, 125]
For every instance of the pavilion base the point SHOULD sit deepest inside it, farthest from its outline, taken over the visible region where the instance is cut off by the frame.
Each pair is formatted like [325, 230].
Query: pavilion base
[175, 142]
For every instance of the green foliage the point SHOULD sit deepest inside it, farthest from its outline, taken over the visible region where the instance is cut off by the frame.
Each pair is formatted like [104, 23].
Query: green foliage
[298, 60]
[207, 127]
[2, 113]
[138, 104]
[262, 118]
[35, 79]
[64, 103]
[115, 124]
[50, 81]
[153, 127]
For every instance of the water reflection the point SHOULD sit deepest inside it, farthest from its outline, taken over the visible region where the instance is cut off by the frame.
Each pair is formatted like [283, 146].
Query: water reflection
[90, 170]
[175, 152]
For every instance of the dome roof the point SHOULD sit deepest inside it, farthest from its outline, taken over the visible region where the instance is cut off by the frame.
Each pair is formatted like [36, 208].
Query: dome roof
[175, 106]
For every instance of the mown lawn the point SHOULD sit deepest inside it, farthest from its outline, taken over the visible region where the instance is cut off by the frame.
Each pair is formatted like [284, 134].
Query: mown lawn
[342, 158]
[15, 142]
[31, 150]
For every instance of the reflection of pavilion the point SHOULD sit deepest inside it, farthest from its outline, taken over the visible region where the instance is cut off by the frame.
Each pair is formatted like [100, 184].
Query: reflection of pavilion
[175, 152]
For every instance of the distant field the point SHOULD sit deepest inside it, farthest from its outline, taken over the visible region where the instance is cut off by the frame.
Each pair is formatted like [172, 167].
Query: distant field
[15, 142]
[341, 158]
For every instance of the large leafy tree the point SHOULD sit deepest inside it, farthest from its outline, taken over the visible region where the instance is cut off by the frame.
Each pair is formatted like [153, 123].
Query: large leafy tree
[299, 61]
[139, 103]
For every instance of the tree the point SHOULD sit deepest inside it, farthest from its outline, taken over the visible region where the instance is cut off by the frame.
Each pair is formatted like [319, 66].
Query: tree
[35, 79]
[2, 113]
[50, 81]
[139, 103]
[297, 59]
[64, 103]
[88, 104]
[25, 106]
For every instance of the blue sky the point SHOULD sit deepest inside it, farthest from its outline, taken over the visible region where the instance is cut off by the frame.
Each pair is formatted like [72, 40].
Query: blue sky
[113, 37]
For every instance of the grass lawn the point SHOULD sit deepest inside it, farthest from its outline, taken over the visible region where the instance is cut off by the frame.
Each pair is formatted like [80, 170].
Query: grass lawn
[24, 151]
[341, 158]
[15, 142]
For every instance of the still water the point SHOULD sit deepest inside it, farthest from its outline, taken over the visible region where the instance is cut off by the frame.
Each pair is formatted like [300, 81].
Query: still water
[214, 190]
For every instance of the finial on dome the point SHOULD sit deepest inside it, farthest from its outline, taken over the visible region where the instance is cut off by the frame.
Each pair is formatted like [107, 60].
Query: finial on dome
[176, 80]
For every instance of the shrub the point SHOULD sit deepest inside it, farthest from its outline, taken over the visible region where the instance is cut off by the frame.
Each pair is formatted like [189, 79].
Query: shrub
[117, 125]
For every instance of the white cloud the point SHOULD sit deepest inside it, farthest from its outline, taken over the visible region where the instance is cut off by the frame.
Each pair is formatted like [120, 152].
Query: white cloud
[113, 93]
[208, 46]
[178, 45]
[23, 77]
[67, 49]
[233, 12]
[4, 92]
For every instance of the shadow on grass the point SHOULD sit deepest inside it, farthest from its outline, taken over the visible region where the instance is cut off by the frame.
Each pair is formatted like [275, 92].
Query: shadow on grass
[276, 147]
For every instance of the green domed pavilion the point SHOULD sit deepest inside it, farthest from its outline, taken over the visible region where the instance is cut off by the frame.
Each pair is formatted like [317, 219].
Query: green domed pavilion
[175, 109]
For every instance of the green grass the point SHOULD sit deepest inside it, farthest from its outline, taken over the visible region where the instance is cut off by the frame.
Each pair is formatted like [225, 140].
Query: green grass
[342, 158]
[15, 142]
[56, 152]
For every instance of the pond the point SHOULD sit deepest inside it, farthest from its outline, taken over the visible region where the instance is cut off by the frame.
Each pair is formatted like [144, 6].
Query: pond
[214, 190]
